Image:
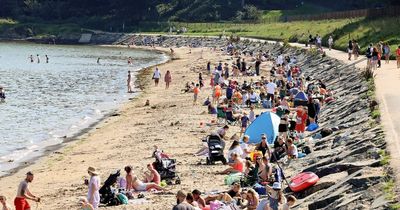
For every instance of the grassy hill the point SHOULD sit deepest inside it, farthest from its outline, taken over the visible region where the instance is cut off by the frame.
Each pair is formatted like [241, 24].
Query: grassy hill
[365, 31]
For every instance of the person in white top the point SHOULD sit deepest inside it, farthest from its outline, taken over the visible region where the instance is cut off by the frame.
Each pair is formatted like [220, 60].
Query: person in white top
[330, 42]
[94, 187]
[271, 86]
[279, 60]
[156, 76]
[235, 148]
[3, 202]
[245, 147]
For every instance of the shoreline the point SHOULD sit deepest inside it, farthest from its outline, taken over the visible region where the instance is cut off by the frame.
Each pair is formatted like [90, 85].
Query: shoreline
[171, 124]
[98, 123]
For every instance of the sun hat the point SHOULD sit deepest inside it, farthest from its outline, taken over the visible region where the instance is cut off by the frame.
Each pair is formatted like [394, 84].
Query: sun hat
[276, 186]
[92, 170]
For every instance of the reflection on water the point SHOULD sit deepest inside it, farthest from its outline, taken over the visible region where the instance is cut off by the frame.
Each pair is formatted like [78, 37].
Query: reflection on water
[46, 101]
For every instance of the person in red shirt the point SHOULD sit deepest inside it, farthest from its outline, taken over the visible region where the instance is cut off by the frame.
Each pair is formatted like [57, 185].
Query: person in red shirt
[301, 120]
[398, 57]
[196, 92]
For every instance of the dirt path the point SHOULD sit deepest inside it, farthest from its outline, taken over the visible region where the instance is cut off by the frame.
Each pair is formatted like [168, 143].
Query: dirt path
[387, 81]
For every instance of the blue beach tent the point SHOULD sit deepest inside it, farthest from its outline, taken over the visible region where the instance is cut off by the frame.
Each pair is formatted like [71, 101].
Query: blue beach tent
[301, 96]
[267, 123]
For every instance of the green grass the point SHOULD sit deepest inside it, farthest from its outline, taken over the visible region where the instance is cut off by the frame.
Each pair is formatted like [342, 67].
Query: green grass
[365, 31]
[9, 26]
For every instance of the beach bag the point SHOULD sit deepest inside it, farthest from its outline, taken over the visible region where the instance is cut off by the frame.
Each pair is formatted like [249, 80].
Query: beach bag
[232, 178]
[312, 127]
[122, 199]
[326, 132]
[306, 150]
[261, 190]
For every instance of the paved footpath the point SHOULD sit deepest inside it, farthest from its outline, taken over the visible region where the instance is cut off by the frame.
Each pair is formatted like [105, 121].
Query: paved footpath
[387, 83]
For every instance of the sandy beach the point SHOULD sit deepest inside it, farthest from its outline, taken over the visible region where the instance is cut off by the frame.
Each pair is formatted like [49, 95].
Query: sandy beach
[347, 161]
[171, 122]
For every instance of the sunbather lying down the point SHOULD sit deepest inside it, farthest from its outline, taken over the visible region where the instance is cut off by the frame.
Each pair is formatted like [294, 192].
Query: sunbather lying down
[133, 183]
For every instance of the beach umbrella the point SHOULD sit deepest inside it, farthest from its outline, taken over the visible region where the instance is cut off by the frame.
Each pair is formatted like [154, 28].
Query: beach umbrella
[267, 123]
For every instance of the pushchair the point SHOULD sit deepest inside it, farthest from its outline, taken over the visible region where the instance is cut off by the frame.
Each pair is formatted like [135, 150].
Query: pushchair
[166, 167]
[107, 195]
[215, 149]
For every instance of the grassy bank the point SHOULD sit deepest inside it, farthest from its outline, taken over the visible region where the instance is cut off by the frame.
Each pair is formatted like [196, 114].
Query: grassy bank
[11, 28]
[363, 30]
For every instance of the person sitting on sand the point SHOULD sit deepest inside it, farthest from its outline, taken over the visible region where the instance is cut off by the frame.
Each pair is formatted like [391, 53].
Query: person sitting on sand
[182, 204]
[292, 151]
[197, 197]
[153, 176]
[233, 193]
[290, 201]
[133, 183]
[263, 169]
[245, 147]
[235, 148]
[190, 200]
[252, 200]
[236, 167]
[84, 204]
[263, 146]
[3, 202]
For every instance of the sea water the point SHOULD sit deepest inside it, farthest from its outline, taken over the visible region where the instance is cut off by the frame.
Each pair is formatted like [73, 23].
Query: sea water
[48, 101]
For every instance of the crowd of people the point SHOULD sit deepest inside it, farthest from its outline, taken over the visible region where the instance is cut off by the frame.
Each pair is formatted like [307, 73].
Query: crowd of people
[238, 95]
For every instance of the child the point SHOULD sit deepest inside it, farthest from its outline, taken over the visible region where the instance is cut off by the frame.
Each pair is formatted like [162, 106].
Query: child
[245, 121]
[3, 202]
[85, 205]
[252, 116]
[196, 92]
[291, 200]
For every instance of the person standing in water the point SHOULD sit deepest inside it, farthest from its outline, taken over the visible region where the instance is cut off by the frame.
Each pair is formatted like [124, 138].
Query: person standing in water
[31, 58]
[156, 76]
[129, 82]
[47, 59]
[167, 79]
[38, 58]
[98, 60]
[130, 61]
[23, 194]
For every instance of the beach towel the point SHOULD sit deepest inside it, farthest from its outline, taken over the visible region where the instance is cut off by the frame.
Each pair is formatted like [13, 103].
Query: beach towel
[232, 178]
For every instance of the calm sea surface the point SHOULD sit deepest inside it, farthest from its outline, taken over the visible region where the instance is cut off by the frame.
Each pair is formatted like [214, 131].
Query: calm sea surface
[46, 101]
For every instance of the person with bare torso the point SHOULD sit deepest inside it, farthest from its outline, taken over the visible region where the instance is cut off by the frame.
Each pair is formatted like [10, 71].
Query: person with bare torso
[23, 194]
[133, 183]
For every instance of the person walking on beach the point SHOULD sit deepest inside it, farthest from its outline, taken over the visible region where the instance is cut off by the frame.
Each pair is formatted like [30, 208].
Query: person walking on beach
[23, 194]
[94, 187]
[330, 42]
[156, 76]
[129, 82]
[350, 49]
[3, 202]
[196, 92]
[398, 57]
[167, 79]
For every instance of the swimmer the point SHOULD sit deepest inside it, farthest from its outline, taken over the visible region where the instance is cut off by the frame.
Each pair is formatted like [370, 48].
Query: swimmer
[98, 60]
[47, 59]
[38, 58]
